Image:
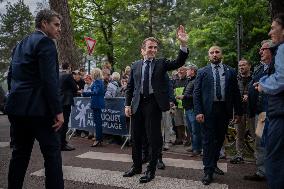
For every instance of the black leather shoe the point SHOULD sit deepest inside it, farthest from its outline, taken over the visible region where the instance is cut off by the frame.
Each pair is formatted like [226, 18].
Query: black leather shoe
[67, 147]
[218, 171]
[207, 179]
[148, 176]
[160, 164]
[195, 153]
[133, 171]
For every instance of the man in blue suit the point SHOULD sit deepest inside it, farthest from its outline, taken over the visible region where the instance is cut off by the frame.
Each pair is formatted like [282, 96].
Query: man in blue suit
[216, 94]
[33, 105]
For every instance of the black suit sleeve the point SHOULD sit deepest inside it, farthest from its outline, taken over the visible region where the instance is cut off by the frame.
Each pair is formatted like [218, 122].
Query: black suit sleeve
[129, 88]
[171, 92]
[70, 82]
[197, 94]
[180, 61]
[48, 67]
[9, 76]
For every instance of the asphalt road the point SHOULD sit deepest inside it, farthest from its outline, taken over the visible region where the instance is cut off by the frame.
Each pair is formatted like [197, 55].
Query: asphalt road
[103, 167]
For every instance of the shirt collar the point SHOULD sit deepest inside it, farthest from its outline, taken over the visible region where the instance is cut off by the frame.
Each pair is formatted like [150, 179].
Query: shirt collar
[220, 64]
[144, 60]
[265, 66]
[41, 32]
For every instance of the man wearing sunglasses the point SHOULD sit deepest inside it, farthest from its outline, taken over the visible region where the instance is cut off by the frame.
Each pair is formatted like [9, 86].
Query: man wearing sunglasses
[216, 94]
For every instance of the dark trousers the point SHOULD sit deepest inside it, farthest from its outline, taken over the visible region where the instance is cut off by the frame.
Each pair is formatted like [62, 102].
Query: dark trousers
[214, 130]
[147, 122]
[274, 161]
[146, 149]
[64, 128]
[26, 130]
[11, 136]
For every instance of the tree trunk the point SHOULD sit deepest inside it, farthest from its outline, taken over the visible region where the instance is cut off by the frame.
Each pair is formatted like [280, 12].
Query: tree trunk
[151, 10]
[276, 6]
[66, 47]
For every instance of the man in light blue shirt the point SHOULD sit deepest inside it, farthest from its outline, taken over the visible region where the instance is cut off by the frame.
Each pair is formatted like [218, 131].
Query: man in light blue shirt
[273, 85]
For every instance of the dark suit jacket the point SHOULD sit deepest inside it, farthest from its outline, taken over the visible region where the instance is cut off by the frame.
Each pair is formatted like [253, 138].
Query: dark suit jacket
[34, 86]
[159, 81]
[204, 91]
[68, 88]
[256, 100]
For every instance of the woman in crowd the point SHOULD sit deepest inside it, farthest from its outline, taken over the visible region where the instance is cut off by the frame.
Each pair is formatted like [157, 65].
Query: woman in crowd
[88, 88]
[88, 83]
[113, 89]
[97, 103]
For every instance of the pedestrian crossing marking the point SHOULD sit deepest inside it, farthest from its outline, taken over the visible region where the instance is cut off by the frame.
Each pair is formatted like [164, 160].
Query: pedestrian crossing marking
[4, 144]
[115, 179]
[181, 163]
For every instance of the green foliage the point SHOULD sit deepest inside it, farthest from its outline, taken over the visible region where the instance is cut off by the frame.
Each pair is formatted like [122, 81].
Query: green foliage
[216, 21]
[120, 26]
[15, 24]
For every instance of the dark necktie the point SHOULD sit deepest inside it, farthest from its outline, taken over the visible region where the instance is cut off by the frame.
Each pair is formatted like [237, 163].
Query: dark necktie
[218, 85]
[146, 79]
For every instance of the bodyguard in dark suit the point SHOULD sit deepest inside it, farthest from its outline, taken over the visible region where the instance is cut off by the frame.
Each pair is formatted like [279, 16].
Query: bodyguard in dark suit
[216, 94]
[68, 89]
[33, 105]
[146, 97]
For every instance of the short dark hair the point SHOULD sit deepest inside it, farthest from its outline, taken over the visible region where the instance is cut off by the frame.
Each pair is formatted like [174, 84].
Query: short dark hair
[65, 66]
[153, 39]
[45, 14]
[245, 60]
[279, 18]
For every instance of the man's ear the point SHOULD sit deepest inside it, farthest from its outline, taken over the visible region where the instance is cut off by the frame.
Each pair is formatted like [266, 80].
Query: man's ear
[142, 52]
[43, 24]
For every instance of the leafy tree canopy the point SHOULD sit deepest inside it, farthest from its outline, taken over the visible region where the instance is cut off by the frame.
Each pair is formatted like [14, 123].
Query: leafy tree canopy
[120, 26]
[15, 24]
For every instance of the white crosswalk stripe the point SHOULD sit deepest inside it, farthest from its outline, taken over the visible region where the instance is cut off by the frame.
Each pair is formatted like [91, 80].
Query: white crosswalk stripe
[114, 178]
[189, 164]
[4, 144]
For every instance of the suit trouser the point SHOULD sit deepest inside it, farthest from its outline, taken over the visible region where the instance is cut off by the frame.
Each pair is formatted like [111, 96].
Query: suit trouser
[64, 128]
[166, 125]
[146, 122]
[274, 161]
[214, 130]
[26, 130]
[11, 136]
[145, 149]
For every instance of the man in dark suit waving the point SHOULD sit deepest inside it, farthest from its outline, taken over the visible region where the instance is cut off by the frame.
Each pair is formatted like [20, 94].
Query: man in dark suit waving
[146, 97]
[33, 105]
[216, 94]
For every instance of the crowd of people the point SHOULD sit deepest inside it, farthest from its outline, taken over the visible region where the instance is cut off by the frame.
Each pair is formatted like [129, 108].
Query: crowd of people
[99, 84]
[190, 107]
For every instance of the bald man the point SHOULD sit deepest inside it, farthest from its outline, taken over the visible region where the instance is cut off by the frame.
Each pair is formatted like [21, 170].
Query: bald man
[216, 94]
